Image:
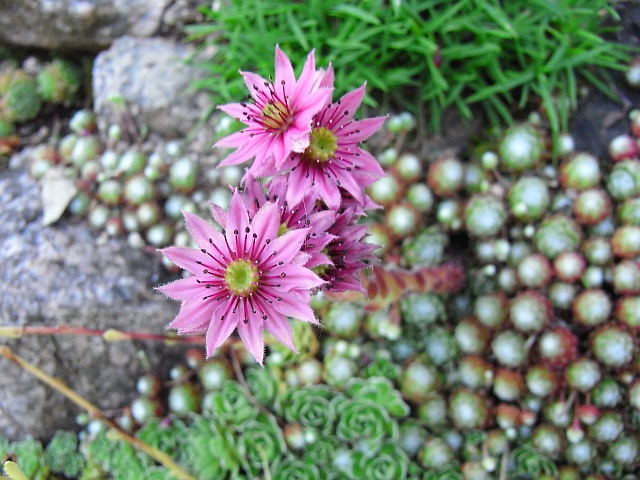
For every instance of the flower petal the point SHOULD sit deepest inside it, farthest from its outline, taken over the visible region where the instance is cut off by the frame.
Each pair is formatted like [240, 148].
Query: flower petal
[193, 314]
[218, 331]
[219, 215]
[251, 335]
[237, 222]
[256, 86]
[284, 71]
[265, 223]
[283, 248]
[185, 258]
[292, 277]
[235, 110]
[203, 233]
[184, 289]
[350, 102]
[278, 326]
[356, 132]
[296, 304]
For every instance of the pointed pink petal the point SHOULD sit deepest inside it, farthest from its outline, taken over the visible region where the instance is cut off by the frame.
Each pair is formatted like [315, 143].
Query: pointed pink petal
[327, 78]
[234, 140]
[278, 326]
[299, 183]
[296, 305]
[356, 132]
[183, 289]
[283, 248]
[203, 233]
[328, 191]
[256, 85]
[251, 335]
[369, 166]
[306, 80]
[349, 184]
[284, 71]
[218, 331]
[219, 215]
[193, 314]
[235, 110]
[350, 102]
[311, 104]
[296, 277]
[266, 223]
[237, 221]
[185, 258]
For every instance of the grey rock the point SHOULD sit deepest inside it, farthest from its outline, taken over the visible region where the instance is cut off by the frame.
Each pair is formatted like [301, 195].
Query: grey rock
[60, 275]
[147, 78]
[86, 25]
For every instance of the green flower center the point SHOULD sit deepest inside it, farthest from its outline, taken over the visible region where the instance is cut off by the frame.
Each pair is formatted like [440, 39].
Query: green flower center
[282, 229]
[322, 145]
[276, 116]
[242, 277]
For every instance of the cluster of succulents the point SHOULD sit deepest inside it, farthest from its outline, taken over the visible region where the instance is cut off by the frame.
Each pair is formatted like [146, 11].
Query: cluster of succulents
[529, 372]
[23, 91]
[126, 189]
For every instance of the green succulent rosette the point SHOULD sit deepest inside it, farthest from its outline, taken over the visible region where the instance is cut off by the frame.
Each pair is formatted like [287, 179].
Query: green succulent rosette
[28, 455]
[263, 384]
[260, 443]
[321, 452]
[531, 462]
[19, 98]
[230, 404]
[290, 468]
[165, 437]
[389, 462]
[382, 366]
[106, 454]
[311, 407]
[363, 422]
[451, 473]
[59, 81]
[379, 390]
[62, 455]
[210, 450]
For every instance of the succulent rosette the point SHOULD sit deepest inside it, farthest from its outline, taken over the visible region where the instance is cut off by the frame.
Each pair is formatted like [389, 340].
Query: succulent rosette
[211, 450]
[261, 441]
[247, 277]
[290, 468]
[379, 390]
[363, 422]
[311, 407]
[263, 384]
[230, 403]
[385, 463]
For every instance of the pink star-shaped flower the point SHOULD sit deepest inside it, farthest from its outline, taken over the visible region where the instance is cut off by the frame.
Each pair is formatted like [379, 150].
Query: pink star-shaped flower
[278, 117]
[246, 277]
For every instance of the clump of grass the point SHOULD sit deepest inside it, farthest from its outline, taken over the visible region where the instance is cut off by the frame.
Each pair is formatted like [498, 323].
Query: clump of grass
[500, 55]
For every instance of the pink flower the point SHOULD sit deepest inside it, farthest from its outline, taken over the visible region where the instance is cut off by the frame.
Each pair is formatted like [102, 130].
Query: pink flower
[246, 277]
[279, 116]
[333, 160]
[348, 252]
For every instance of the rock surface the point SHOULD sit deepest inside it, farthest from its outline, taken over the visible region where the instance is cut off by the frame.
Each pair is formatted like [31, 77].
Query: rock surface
[87, 25]
[148, 78]
[60, 275]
